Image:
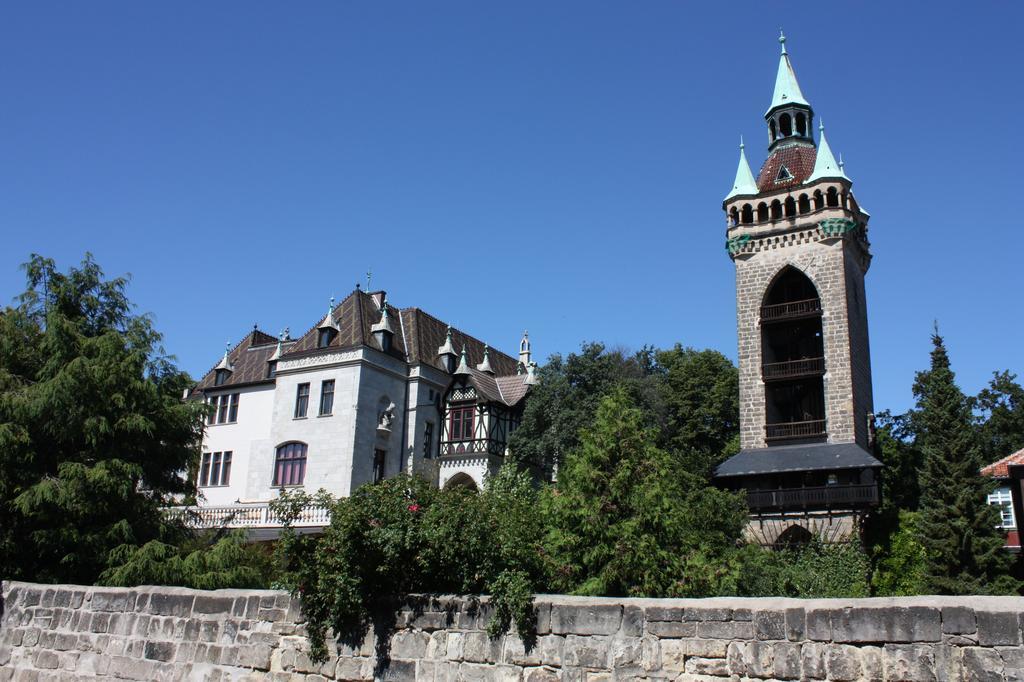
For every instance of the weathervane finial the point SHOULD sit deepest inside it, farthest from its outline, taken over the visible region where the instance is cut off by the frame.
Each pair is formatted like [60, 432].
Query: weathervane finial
[369, 277]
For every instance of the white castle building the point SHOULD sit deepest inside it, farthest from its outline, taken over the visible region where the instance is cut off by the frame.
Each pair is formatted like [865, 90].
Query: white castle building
[366, 393]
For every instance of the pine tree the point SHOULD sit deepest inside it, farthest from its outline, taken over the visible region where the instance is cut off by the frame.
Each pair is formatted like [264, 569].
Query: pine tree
[94, 436]
[627, 518]
[958, 528]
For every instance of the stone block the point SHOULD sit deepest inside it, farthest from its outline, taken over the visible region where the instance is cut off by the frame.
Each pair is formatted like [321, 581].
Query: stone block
[890, 624]
[209, 604]
[479, 648]
[706, 614]
[513, 651]
[717, 667]
[586, 651]
[663, 613]
[353, 668]
[540, 675]
[770, 624]
[908, 663]
[632, 621]
[842, 662]
[818, 625]
[552, 649]
[725, 630]
[669, 629]
[750, 659]
[786, 664]
[585, 619]
[958, 620]
[399, 671]
[409, 644]
[673, 655]
[456, 645]
[812, 661]
[437, 647]
[159, 651]
[543, 613]
[982, 665]
[113, 600]
[47, 660]
[998, 628]
[171, 604]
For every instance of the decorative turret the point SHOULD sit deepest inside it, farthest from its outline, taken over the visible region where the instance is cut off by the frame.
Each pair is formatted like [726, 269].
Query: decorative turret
[485, 364]
[382, 331]
[272, 360]
[524, 351]
[446, 352]
[328, 328]
[744, 183]
[224, 368]
[463, 368]
[825, 165]
[789, 116]
[531, 375]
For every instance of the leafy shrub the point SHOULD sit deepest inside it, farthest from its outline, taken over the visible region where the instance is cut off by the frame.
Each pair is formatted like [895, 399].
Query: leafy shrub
[402, 536]
[815, 570]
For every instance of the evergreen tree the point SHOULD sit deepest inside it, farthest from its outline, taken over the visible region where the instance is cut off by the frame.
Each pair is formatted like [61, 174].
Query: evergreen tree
[94, 436]
[628, 518]
[1001, 406]
[963, 546]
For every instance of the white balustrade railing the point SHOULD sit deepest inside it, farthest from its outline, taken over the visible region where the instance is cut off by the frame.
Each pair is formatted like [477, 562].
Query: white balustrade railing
[247, 516]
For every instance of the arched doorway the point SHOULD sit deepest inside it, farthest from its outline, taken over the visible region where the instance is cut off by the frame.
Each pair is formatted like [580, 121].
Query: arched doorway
[461, 480]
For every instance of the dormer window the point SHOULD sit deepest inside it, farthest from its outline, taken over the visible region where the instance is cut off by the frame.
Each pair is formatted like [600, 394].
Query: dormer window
[385, 342]
[784, 174]
[271, 369]
[325, 337]
[221, 377]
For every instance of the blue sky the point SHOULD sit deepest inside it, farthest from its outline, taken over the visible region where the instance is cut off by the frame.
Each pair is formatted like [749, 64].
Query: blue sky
[557, 166]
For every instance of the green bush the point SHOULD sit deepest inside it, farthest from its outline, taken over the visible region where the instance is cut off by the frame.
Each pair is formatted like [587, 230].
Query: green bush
[402, 536]
[814, 571]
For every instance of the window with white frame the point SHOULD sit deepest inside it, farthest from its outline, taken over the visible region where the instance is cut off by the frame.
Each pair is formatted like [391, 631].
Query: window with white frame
[224, 409]
[1002, 497]
[215, 469]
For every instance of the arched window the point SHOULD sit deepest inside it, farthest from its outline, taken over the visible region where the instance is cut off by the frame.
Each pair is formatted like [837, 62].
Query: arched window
[790, 207]
[776, 210]
[804, 204]
[832, 197]
[290, 464]
[801, 124]
[794, 537]
[748, 214]
[762, 212]
[819, 201]
[734, 216]
[771, 129]
[785, 125]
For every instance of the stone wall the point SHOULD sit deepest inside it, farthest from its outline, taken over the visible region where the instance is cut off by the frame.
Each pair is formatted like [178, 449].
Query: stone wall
[61, 632]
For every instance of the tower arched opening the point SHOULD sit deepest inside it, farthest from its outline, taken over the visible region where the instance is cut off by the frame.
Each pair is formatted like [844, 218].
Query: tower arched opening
[762, 212]
[771, 129]
[461, 480]
[794, 537]
[801, 125]
[747, 215]
[790, 207]
[804, 204]
[819, 200]
[734, 216]
[832, 197]
[776, 209]
[793, 360]
[785, 125]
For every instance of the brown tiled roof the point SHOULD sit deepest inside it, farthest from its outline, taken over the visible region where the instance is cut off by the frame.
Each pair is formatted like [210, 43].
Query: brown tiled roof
[798, 160]
[248, 361]
[417, 338]
[1000, 469]
[426, 334]
[513, 388]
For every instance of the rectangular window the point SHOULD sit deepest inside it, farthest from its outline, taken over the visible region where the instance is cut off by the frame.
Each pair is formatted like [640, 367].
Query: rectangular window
[301, 400]
[233, 409]
[215, 469]
[225, 468]
[462, 423]
[428, 440]
[204, 470]
[222, 410]
[378, 465]
[326, 397]
[1003, 497]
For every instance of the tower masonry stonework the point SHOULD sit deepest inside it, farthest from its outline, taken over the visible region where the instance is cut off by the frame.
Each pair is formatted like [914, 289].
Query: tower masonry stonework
[798, 239]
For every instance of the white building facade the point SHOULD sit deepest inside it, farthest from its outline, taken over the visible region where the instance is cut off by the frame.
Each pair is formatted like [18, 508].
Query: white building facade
[367, 393]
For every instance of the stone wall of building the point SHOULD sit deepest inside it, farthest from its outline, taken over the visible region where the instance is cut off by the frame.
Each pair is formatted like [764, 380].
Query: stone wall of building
[61, 632]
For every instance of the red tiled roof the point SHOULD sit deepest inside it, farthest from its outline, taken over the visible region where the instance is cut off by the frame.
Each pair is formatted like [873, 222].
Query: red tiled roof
[798, 160]
[999, 469]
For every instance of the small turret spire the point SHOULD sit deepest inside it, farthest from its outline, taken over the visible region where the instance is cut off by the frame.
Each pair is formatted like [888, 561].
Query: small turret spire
[385, 322]
[744, 182]
[277, 351]
[525, 352]
[225, 363]
[463, 367]
[787, 90]
[328, 321]
[782, 41]
[485, 364]
[825, 165]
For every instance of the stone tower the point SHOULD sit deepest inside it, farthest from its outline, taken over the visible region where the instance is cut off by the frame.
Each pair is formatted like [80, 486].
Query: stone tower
[798, 240]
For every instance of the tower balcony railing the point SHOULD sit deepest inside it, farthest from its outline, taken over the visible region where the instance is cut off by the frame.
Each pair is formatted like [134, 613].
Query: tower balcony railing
[791, 310]
[254, 515]
[793, 369]
[794, 430]
[820, 497]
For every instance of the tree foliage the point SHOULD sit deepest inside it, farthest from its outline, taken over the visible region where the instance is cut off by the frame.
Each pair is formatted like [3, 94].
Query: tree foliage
[94, 436]
[627, 518]
[403, 536]
[816, 570]
[958, 529]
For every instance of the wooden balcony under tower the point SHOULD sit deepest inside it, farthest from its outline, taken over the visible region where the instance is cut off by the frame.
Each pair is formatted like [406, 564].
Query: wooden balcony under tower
[792, 310]
[793, 369]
